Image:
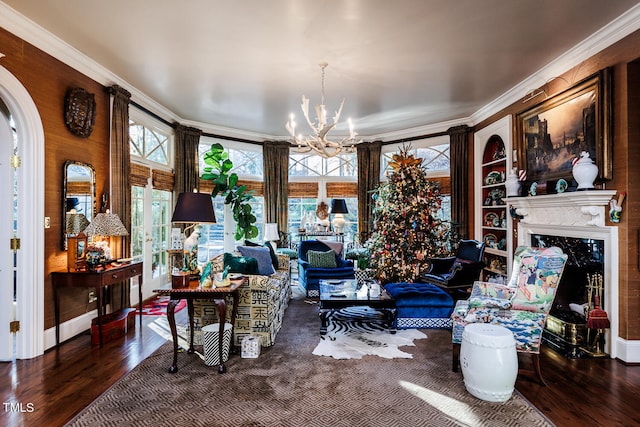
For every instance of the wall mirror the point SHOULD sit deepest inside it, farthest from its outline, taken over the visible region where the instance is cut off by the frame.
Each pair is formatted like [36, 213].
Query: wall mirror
[78, 198]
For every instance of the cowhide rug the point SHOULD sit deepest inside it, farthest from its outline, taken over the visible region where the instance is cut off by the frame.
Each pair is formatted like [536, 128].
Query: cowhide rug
[360, 331]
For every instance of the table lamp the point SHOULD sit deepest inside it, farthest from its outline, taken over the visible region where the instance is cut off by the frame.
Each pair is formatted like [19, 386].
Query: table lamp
[271, 234]
[104, 226]
[338, 209]
[193, 208]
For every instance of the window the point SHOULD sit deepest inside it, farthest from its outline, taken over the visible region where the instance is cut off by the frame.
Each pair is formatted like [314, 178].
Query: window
[434, 153]
[149, 143]
[315, 179]
[435, 158]
[137, 221]
[246, 158]
[298, 207]
[161, 211]
[151, 148]
[211, 242]
[311, 165]
[247, 164]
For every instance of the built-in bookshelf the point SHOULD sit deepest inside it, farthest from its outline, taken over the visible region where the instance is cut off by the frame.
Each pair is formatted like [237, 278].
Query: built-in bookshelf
[493, 223]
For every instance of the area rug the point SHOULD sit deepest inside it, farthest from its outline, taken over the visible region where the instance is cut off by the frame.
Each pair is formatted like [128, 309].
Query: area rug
[359, 331]
[158, 306]
[288, 386]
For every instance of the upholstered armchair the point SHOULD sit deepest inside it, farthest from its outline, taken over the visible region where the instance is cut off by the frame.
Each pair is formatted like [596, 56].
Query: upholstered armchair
[310, 273]
[459, 271]
[522, 305]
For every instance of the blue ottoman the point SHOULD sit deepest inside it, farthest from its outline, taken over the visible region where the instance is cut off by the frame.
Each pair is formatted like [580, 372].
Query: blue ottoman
[421, 305]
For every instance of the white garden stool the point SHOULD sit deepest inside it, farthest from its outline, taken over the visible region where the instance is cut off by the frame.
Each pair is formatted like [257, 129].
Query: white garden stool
[489, 361]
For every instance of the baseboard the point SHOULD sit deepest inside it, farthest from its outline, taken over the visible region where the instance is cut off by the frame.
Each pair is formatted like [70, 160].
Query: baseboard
[69, 329]
[628, 350]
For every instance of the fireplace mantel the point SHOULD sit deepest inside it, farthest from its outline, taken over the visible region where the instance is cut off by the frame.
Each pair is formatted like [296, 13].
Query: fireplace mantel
[576, 208]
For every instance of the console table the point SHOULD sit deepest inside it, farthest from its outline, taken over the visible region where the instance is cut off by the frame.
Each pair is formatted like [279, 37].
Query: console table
[194, 291]
[98, 280]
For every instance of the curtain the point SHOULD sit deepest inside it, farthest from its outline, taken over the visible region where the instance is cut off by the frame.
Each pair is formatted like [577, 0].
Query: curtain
[120, 166]
[459, 150]
[275, 157]
[120, 181]
[187, 169]
[368, 179]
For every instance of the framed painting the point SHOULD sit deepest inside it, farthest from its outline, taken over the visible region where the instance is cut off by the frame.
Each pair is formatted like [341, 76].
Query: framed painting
[550, 135]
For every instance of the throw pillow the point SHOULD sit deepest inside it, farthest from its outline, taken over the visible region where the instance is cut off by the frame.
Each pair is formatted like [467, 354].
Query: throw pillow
[319, 259]
[239, 264]
[250, 243]
[261, 254]
[272, 254]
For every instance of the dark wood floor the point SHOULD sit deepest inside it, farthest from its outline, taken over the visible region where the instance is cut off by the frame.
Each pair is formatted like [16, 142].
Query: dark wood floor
[50, 390]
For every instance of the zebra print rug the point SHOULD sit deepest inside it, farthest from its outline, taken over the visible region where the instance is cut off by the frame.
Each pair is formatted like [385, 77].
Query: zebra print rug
[359, 331]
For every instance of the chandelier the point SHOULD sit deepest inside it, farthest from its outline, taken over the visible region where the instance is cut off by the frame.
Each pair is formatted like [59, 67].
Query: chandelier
[318, 141]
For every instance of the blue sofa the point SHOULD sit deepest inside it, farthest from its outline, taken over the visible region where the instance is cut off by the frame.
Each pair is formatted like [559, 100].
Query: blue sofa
[309, 277]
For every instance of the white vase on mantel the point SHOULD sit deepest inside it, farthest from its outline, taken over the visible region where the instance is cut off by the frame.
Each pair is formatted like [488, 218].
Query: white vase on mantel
[512, 184]
[585, 172]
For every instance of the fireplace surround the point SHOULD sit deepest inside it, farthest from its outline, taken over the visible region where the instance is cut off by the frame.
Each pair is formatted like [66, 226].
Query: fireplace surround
[577, 215]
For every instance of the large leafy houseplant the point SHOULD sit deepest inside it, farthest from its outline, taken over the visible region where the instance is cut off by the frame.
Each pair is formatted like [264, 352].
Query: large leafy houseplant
[226, 184]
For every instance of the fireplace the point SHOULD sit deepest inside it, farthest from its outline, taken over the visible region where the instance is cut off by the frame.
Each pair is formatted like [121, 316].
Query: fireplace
[575, 222]
[566, 329]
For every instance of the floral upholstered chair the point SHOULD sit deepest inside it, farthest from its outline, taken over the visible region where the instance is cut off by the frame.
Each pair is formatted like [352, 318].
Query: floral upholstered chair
[522, 305]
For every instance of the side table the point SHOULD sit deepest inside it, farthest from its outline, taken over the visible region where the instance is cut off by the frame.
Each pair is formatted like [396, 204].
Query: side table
[190, 293]
[98, 279]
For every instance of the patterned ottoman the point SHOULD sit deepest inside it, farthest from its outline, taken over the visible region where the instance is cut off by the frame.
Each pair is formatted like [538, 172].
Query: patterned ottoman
[421, 305]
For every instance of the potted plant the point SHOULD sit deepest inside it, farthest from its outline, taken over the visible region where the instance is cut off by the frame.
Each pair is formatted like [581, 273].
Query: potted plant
[226, 184]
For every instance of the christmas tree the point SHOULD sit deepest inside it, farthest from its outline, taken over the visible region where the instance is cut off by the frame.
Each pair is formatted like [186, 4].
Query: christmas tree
[406, 231]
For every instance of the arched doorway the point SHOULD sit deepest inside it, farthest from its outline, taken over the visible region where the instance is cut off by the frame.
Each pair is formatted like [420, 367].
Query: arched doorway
[25, 214]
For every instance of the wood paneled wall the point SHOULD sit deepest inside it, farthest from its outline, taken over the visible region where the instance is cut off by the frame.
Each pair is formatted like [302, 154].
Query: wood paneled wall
[622, 57]
[47, 80]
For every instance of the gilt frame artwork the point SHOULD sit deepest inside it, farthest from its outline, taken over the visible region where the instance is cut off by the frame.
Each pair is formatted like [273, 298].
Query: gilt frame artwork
[551, 134]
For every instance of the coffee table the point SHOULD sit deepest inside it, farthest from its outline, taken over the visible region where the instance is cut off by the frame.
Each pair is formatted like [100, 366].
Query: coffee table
[339, 294]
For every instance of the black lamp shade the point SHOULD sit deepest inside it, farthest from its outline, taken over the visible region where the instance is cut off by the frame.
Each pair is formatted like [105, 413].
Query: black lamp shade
[194, 207]
[339, 206]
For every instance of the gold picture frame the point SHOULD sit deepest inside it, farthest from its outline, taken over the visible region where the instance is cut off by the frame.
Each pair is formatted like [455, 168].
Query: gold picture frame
[554, 132]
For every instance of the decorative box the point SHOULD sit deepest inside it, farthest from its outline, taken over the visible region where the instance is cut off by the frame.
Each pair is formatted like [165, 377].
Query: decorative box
[114, 326]
[250, 347]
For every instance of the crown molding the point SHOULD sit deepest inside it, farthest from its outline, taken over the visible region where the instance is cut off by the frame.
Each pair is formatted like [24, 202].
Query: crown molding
[431, 129]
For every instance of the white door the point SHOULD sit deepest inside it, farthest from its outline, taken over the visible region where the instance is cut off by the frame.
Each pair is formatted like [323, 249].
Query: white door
[151, 227]
[7, 227]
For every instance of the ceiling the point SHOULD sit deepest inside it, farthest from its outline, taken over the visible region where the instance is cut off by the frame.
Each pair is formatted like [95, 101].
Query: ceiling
[244, 65]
